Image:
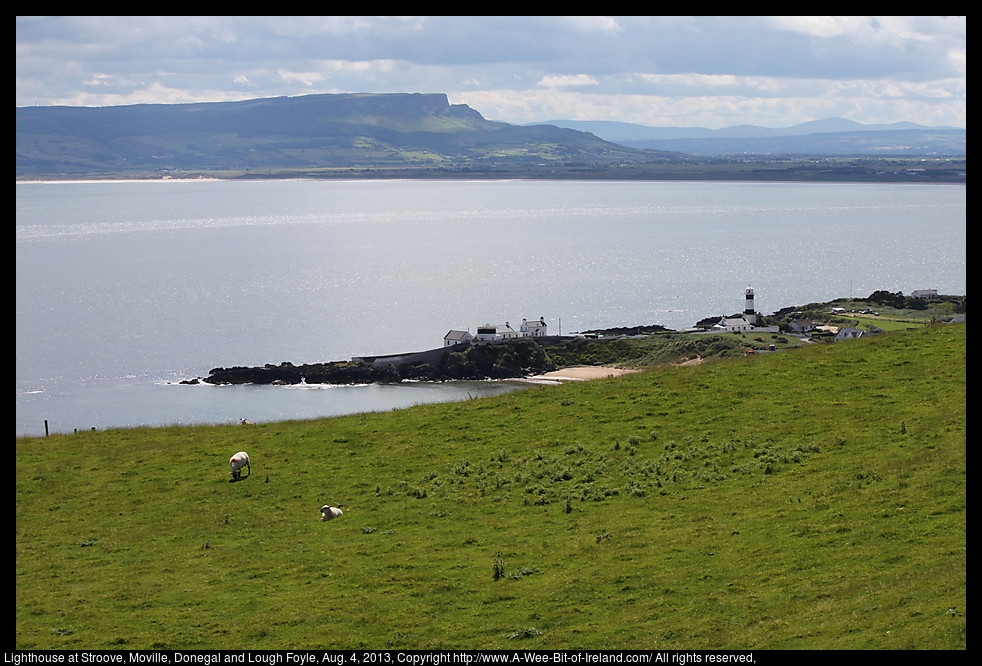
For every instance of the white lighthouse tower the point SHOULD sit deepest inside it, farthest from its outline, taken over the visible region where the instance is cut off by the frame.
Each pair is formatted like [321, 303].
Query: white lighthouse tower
[748, 308]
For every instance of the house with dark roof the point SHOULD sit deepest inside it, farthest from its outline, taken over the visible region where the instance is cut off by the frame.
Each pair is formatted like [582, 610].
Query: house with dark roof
[801, 325]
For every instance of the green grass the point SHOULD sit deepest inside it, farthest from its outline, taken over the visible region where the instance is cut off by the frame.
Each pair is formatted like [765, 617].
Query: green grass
[810, 499]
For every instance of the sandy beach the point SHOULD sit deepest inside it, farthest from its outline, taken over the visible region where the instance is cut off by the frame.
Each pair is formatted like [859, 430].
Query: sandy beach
[579, 374]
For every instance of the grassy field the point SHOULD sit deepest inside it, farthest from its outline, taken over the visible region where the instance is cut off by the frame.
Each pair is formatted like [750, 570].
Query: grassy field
[811, 499]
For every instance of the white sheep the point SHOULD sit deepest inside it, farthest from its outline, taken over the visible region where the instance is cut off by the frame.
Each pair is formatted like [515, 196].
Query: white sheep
[330, 512]
[237, 462]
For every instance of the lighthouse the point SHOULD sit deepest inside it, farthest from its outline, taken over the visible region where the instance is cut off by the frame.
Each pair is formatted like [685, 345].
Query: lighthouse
[748, 308]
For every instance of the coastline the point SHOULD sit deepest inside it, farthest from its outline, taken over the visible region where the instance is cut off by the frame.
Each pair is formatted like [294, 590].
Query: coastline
[508, 177]
[39, 181]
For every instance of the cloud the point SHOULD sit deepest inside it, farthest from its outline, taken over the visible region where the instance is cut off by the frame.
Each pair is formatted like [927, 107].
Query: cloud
[668, 69]
[594, 24]
[566, 80]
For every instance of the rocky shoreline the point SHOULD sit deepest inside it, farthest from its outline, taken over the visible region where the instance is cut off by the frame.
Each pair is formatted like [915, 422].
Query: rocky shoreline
[337, 372]
[508, 360]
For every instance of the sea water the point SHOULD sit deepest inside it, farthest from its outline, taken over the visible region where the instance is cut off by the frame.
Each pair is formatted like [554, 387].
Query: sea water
[125, 288]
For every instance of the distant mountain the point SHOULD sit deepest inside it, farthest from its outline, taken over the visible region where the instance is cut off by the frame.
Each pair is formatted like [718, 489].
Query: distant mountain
[620, 131]
[292, 133]
[829, 136]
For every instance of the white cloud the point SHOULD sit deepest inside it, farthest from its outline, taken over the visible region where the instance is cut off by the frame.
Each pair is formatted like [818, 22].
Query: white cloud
[705, 81]
[712, 111]
[99, 80]
[714, 70]
[594, 24]
[566, 80]
[304, 78]
[154, 93]
[821, 26]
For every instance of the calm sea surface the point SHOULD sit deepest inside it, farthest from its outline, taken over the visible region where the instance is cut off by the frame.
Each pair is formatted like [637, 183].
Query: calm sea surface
[123, 289]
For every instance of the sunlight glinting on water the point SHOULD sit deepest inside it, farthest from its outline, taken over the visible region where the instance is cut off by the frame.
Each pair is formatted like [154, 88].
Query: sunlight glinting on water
[123, 287]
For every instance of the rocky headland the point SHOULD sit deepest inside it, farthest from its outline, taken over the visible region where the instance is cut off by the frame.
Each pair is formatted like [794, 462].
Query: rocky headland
[505, 360]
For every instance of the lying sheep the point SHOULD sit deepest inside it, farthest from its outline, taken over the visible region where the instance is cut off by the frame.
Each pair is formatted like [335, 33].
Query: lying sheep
[237, 462]
[330, 512]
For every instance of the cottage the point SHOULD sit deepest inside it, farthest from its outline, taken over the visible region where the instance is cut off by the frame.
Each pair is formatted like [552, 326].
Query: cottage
[456, 337]
[801, 325]
[924, 293]
[533, 329]
[846, 333]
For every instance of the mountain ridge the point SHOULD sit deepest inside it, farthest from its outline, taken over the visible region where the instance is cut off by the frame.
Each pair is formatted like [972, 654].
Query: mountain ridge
[613, 130]
[371, 135]
[827, 136]
[312, 131]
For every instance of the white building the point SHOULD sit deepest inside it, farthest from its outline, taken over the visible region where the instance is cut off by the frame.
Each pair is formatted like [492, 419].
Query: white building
[732, 325]
[533, 329]
[745, 323]
[494, 332]
[498, 332]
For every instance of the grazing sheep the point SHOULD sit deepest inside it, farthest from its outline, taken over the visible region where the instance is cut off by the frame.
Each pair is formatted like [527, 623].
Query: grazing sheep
[237, 462]
[245, 422]
[330, 512]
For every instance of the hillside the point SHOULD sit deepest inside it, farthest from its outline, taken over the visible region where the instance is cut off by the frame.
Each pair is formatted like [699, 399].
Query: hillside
[424, 136]
[813, 499]
[884, 144]
[831, 136]
[341, 131]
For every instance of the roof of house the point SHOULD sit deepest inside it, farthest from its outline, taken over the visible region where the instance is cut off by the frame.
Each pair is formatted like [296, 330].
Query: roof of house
[733, 321]
[846, 332]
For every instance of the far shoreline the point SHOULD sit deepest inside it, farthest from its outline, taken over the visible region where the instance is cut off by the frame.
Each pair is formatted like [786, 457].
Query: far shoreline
[790, 181]
[41, 181]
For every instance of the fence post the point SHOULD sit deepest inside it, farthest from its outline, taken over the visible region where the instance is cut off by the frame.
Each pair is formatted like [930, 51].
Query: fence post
[46, 427]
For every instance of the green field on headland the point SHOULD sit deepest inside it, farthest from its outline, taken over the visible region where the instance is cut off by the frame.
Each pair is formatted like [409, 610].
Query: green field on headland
[811, 499]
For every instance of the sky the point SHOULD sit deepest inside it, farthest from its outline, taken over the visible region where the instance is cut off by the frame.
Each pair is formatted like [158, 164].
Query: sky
[680, 71]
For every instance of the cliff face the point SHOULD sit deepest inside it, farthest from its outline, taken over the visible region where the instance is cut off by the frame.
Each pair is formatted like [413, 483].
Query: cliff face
[313, 115]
